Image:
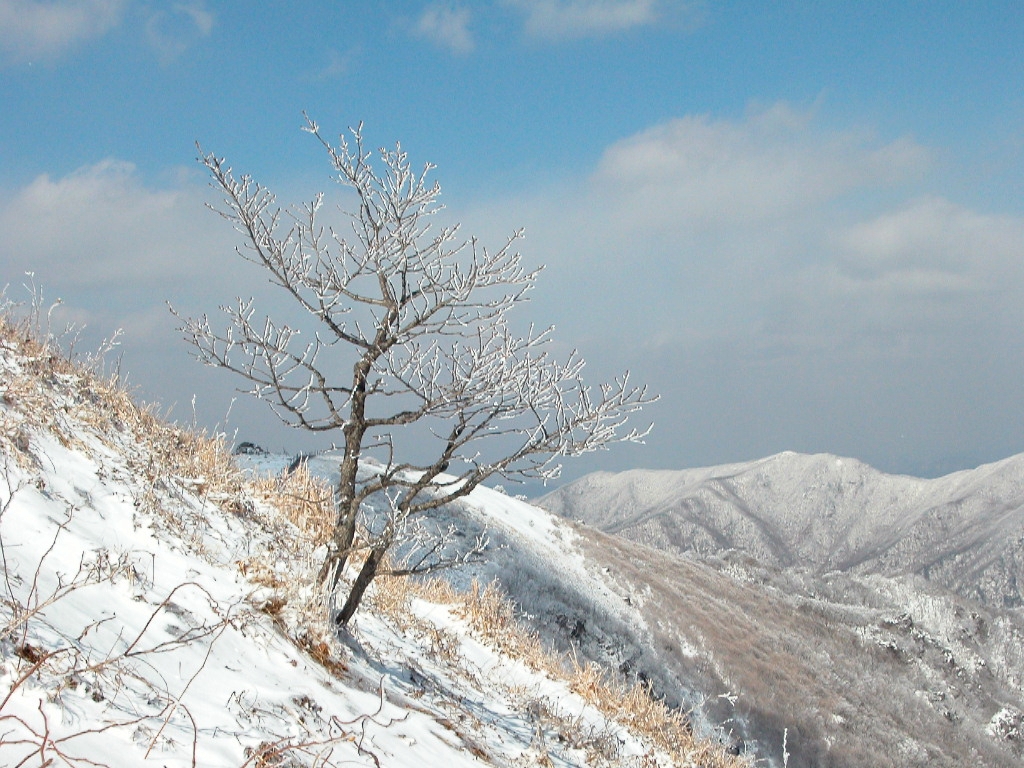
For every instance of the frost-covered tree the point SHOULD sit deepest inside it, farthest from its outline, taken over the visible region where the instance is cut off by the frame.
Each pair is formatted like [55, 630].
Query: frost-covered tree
[410, 358]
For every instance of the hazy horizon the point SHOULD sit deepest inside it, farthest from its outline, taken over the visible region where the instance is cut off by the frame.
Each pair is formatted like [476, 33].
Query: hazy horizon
[802, 225]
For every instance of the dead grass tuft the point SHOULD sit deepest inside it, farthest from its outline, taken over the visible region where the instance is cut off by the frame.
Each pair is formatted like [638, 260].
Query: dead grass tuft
[489, 611]
[390, 596]
[324, 653]
[304, 499]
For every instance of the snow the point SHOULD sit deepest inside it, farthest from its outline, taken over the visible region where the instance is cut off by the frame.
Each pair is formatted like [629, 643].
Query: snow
[826, 513]
[525, 539]
[132, 636]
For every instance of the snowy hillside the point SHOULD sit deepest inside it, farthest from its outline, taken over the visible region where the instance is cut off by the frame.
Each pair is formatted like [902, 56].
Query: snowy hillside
[785, 666]
[872, 666]
[158, 609]
[964, 531]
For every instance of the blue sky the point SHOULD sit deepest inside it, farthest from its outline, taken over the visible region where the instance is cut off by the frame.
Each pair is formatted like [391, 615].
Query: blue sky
[802, 223]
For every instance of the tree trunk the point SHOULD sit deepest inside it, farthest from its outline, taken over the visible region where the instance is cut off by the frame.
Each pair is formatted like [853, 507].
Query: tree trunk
[338, 549]
[346, 500]
[346, 510]
[362, 582]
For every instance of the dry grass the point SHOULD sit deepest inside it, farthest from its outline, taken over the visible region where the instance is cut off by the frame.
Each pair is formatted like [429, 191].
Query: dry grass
[390, 596]
[303, 498]
[491, 614]
[26, 404]
[46, 389]
[492, 617]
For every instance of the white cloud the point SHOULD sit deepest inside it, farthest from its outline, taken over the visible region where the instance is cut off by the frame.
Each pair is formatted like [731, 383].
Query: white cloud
[446, 26]
[30, 28]
[116, 248]
[769, 234]
[934, 233]
[587, 18]
[931, 267]
[696, 171]
[102, 226]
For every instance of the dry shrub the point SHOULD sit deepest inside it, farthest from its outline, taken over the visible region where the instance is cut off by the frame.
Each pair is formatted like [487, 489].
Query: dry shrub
[268, 754]
[304, 499]
[588, 680]
[390, 596]
[29, 368]
[492, 615]
[259, 571]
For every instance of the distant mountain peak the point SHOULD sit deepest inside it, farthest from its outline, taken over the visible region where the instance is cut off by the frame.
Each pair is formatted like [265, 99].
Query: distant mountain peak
[826, 512]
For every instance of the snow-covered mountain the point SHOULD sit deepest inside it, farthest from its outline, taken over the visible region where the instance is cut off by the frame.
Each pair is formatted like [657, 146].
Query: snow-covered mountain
[964, 531]
[873, 619]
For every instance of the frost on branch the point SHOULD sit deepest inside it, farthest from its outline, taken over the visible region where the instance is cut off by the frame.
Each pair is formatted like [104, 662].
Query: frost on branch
[406, 348]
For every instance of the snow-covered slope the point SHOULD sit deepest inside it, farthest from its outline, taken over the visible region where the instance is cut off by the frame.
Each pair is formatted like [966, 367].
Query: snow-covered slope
[964, 531]
[873, 619]
[832, 670]
[783, 665]
[155, 612]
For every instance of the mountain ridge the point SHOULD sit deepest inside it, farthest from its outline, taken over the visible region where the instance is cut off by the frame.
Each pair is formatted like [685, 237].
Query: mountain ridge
[823, 512]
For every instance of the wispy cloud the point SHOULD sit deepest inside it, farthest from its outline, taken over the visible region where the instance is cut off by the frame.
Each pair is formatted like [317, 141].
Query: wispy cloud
[102, 225]
[447, 26]
[174, 30]
[201, 17]
[698, 171]
[30, 28]
[588, 18]
[333, 64]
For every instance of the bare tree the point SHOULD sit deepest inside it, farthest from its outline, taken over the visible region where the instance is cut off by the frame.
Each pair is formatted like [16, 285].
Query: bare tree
[411, 358]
